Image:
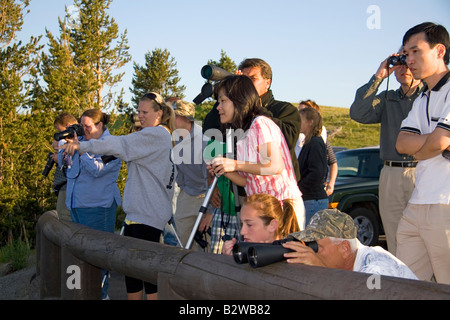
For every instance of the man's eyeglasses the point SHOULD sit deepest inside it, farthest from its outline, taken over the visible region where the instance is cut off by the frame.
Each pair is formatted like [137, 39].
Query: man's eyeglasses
[155, 97]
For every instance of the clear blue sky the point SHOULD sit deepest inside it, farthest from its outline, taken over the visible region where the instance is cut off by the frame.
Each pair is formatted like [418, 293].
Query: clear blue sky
[321, 50]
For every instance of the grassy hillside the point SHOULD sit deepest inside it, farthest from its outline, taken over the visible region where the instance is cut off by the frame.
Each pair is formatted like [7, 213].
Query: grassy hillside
[344, 132]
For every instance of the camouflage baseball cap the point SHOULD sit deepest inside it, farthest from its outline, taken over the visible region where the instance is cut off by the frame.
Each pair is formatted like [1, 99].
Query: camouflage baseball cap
[328, 223]
[184, 109]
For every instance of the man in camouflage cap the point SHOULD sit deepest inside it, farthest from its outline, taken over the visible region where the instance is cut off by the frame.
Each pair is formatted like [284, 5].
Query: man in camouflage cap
[328, 223]
[336, 236]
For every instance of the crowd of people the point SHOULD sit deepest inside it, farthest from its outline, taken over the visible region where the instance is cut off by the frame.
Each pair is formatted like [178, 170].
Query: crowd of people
[275, 169]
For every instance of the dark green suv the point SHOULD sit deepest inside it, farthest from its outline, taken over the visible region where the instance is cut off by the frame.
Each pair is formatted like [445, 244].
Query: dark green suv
[356, 191]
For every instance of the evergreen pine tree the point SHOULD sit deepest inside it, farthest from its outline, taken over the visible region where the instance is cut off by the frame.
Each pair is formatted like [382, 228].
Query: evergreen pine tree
[159, 74]
[17, 145]
[82, 66]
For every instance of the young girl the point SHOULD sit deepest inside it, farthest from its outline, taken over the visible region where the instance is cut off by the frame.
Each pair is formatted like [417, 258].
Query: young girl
[313, 163]
[263, 162]
[264, 220]
[150, 176]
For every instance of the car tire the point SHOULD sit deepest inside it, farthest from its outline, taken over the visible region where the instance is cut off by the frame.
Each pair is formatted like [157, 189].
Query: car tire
[368, 229]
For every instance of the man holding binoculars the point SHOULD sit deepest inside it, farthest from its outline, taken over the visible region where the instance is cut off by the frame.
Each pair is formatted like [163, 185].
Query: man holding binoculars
[338, 247]
[389, 108]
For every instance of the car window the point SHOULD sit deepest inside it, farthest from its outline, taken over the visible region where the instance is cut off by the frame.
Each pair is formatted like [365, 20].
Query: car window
[348, 165]
[363, 164]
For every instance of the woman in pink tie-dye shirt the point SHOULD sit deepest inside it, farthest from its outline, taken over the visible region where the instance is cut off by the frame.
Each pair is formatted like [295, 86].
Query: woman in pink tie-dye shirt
[262, 162]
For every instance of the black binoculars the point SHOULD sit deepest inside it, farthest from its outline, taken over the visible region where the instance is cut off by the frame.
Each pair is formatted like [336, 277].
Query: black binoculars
[263, 254]
[397, 60]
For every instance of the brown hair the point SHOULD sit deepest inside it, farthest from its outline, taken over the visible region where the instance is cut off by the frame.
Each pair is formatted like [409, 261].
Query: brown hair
[314, 115]
[310, 103]
[97, 116]
[266, 70]
[270, 208]
[64, 119]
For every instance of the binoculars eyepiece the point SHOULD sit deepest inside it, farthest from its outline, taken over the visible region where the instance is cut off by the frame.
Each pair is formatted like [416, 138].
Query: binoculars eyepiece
[262, 254]
[397, 60]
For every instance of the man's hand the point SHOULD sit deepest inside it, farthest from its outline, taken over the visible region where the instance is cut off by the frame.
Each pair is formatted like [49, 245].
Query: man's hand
[383, 70]
[302, 254]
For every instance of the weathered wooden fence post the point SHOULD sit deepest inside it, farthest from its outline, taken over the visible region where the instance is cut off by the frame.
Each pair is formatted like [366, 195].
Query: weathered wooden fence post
[79, 279]
[48, 265]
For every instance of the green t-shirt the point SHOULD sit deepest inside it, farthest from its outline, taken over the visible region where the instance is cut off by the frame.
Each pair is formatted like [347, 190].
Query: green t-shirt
[212, 150]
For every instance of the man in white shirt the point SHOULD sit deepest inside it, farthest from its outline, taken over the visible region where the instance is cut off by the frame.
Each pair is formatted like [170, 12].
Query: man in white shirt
[423, 234]
[338, 247]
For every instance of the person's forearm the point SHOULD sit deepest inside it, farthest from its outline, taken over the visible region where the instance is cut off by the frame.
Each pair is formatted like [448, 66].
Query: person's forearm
[236, 178]
[409, 143]
[435, 143]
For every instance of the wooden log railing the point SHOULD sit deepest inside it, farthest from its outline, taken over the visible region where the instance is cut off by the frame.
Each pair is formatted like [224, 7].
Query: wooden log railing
[186, 274]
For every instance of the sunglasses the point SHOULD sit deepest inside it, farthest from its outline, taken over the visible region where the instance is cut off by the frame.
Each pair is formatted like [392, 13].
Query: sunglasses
[154, 97]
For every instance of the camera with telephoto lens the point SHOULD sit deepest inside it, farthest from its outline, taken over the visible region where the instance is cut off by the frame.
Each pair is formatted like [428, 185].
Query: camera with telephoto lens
[262, 254]
[397, 60]
[69, 132]
[49, 165]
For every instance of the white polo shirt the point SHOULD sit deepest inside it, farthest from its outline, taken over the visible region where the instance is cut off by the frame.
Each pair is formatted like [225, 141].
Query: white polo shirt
[430, 110]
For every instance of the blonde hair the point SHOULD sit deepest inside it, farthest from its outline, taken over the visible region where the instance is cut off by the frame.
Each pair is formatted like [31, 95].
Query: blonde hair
[270, 208]
[168, 116]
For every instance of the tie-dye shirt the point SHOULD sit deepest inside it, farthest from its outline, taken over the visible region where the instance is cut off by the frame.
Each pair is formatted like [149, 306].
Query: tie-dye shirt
[282, 186]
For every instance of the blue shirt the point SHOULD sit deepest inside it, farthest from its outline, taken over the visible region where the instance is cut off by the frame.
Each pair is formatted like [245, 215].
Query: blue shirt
[90, 182]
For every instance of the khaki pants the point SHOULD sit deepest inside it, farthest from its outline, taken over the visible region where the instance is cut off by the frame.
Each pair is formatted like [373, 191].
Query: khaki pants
[63, 212]
[423, 241]
[185, 216]
[396, 187]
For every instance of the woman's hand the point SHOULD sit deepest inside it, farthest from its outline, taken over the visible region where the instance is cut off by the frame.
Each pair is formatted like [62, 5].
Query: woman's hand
[227, 247]
[221, 165]
[72, 146]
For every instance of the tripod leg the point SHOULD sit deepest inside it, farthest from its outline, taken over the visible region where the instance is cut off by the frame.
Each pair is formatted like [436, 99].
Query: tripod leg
[201, 212]
[175, 233]
[237, 204]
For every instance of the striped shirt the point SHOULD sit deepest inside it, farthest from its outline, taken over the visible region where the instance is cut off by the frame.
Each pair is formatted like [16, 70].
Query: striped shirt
[282, 186]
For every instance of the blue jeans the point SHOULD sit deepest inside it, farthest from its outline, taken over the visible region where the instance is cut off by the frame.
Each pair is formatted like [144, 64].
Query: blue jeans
[101, 219]
[312, 206]
[169, 235]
